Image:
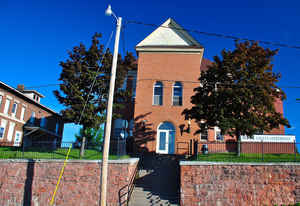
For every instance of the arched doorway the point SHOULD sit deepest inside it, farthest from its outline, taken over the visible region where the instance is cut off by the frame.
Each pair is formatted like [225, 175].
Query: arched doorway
[165, 143]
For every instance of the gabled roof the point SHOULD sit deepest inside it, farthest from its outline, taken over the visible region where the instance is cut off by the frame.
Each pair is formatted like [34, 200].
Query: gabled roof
[169, 35]
[21, 95]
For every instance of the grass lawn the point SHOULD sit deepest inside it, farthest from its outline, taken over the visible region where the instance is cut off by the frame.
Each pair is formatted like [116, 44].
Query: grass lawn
[232, 157]
[16, 153]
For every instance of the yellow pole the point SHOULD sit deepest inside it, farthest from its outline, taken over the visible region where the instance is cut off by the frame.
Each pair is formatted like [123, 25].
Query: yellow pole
[60, 176]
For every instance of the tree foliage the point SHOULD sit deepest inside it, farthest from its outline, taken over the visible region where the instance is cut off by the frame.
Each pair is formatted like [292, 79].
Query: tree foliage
[93, 136]
[78, 73]
[84, 104]
[238, 91]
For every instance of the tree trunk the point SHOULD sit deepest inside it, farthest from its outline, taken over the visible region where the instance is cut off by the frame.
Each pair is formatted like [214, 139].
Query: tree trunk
[238, 135]
[82, 147]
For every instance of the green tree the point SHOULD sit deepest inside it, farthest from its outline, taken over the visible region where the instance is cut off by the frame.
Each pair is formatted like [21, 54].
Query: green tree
[237, 93]
[94, 137]
[84, 104]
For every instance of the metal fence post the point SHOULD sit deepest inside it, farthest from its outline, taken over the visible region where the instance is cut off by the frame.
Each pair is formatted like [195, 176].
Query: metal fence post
[295, 150]
[262, 150]
[23, 148]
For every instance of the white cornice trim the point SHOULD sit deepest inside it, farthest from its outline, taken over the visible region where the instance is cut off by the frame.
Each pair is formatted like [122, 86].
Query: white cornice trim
[11, 118]
[162, 49]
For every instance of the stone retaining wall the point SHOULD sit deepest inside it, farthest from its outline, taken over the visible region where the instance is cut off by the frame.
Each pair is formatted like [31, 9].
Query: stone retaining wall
[207, 183]
[24, 182]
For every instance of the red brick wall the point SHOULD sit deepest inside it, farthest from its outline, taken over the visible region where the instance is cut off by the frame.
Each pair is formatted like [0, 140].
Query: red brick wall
[155, 66]
[30, 106]
[267, 147]
[80, 184]
[169, 67]
[239, 184]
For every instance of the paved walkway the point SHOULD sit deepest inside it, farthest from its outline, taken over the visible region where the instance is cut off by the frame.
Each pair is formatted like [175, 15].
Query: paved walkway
[158, 182]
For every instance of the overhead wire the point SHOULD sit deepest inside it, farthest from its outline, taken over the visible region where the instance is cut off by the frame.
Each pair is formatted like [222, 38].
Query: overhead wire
[93, 83]
[218, 35]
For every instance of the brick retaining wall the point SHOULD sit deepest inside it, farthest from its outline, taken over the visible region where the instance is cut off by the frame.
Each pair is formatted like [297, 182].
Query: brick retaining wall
[205, 183]
[33, 182]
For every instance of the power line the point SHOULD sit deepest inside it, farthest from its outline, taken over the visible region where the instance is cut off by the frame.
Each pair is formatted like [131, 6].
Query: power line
[93, 83]
[219, 35]
[169, 80]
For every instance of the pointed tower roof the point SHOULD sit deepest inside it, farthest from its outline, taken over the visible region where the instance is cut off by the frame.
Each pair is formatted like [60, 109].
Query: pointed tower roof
[169, 37]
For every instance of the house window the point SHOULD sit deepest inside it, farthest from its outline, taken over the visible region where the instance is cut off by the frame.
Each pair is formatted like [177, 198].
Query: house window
[1, 97]
[7, 104]
[32, 118]
[218, 135]
[177, 94]
[204, 135]
[14, 109]
[22, 113]
[2, 128]
[158, 94]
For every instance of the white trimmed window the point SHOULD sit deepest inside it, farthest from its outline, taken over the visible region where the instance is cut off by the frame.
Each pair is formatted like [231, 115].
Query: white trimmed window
[6, 107]
[2, 128]
[1, 98]
[158, 93]
[14, 109]
[204, 135]
[218, 134]
[10, 132]
[177, 94]
[22, 113]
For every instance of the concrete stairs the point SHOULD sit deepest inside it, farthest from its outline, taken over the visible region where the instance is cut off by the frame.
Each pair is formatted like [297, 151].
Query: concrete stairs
[157, 183]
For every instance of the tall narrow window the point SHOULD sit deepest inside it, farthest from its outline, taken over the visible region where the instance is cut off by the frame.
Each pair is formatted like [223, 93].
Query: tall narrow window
[22, 113]
[1, 97]
[2, 128]
[218, 134]
[204, 135]
[177, 94]
[14, 109]
[158, 94]
[6, 107]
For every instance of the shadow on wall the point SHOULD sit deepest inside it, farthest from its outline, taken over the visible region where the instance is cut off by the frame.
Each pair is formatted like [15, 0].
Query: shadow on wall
[142, 133]
[28, 183]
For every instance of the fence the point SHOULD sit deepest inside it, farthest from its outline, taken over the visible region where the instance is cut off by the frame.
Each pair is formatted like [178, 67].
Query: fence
[52, 150]
[249, 151]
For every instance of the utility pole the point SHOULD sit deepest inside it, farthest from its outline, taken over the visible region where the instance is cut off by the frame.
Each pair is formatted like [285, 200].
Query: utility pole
[104, 168]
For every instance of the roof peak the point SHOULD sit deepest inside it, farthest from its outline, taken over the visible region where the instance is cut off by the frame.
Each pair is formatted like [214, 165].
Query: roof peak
[169, 33]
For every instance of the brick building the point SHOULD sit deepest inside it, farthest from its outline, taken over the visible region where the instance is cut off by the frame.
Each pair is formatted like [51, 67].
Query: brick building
[23, 119]
[169, 64]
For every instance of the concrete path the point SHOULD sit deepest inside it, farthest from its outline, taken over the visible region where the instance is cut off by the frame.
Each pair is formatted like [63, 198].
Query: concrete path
[158, 182]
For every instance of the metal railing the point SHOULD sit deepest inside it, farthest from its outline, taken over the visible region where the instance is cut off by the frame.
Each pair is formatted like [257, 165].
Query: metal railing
[249, 151]
[54, 150]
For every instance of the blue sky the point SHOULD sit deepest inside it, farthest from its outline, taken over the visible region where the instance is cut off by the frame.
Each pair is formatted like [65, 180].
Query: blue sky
[36, 35]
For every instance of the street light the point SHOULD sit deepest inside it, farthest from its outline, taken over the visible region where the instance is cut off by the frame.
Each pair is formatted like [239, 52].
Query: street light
[109, 12]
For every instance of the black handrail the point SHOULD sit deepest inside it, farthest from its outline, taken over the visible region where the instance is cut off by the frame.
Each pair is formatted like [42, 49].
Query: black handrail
[131, 184]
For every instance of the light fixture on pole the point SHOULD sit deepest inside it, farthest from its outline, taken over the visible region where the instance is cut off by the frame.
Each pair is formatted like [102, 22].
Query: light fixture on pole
[104, 168]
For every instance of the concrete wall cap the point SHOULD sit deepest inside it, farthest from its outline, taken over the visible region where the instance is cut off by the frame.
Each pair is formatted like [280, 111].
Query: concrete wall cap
[198, 163]
[121, 161]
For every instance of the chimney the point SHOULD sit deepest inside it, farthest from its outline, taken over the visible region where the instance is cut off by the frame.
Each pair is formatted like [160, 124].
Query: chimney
[21, 87]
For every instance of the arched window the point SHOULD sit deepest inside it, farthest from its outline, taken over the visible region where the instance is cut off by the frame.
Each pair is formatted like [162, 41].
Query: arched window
[177, 94]
[158, 94]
